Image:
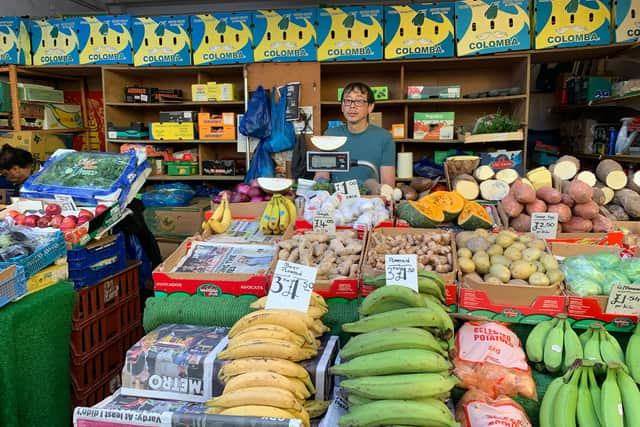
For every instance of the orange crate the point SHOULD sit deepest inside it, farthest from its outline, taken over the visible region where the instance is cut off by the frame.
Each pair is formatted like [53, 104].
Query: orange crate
[91, 301]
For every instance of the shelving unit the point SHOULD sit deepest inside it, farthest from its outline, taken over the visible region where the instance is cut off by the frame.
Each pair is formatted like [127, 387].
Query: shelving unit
[195, 178]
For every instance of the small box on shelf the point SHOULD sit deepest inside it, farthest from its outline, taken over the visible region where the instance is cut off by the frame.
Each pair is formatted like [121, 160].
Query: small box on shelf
[172, 131]
[217, 126]
[182, 168]
[433, 126]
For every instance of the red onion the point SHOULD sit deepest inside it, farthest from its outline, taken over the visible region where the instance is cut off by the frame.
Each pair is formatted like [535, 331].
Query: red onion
[257, 199]
[254, 192]
[243, 188]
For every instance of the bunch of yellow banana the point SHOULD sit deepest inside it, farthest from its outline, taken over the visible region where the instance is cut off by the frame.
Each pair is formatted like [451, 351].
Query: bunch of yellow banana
[220, 220]
[278, 215]
[553, 345]
[398, 368]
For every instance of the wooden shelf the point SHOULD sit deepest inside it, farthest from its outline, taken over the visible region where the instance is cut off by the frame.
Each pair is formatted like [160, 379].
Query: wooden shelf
[176, 141]
[75, 130]
[584, 52]
[618, 101]
[174, 104]
[623, 158]
[195, 178]
[462, 101]
[452, 141]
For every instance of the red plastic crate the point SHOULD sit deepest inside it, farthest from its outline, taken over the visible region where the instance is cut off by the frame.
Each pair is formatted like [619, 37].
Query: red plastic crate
[93, 300]
[98, 392]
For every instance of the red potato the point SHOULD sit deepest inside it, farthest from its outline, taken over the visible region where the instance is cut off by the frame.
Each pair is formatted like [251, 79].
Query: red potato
[577, 225]
[538, 206]
[521, 223]
[587, 210]
[602, 224]
[511, 206]
[579, 191]
[563, 211]
[522, 192]
[549, 195]
[568, 200]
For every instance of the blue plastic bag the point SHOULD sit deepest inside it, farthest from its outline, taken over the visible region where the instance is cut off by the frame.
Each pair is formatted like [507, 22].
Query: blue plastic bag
[283, 135]
[428, 169]
[256, 121]
[176, 194]
[261, 164]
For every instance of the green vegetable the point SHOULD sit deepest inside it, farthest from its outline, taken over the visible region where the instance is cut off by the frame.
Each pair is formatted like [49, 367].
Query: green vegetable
[496, 123]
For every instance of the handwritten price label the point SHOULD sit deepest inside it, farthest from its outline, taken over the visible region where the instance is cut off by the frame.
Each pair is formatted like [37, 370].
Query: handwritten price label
[544, 225]
[291, 286]
[66, 202]
[349, 188]
[324, 222]
[624, 299]
[402, 270]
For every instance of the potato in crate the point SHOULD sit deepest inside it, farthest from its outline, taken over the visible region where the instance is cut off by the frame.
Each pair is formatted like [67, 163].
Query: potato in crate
[96, 261]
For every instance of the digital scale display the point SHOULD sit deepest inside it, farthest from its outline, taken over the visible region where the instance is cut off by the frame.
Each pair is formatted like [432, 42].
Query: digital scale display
[320, 161]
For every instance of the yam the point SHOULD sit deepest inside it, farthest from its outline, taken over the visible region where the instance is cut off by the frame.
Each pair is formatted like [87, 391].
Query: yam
[537, 206]
[563, 211]
[484, 173]
[493, 189]
[540, 177]
[611, 173]
[577, 225]
[521, 223]
[408, 192]
[467, 186]
[421, 184]
[507, 175]
[587, 210]
[579, 191]
[598, 196]
[604, 211]
[587, 177]
[522, 192]
[629, 200]
[634, 182]
[549, 195]
[461, 165]
[602, 224]
[618, 212]
[566, 167]
[567, 200]
[511, 206]
[608, 193]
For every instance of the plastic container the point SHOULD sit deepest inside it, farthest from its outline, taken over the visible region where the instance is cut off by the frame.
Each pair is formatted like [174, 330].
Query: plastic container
[89, 265]
[182, 168]
[41, 257]
[12, 284]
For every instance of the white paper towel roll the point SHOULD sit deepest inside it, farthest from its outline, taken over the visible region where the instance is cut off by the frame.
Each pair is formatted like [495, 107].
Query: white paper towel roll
[405, 165]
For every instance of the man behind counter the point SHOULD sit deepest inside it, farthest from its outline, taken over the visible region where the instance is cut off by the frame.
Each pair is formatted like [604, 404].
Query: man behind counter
[364, 140]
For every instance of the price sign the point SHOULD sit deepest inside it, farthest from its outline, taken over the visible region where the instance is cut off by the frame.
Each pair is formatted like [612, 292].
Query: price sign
[291, 286]
[544, 225]
[402, 270]
[324, 222]
[624, 299]
[349, 188]
[66, 202]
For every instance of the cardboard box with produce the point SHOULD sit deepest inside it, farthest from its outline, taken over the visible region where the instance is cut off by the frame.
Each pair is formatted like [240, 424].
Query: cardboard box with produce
[233, 29]
[55, 41]
[572, 23]
[626, 20]
[284, 35]
[161, 41]
[433, 126]
[17, 48]
[350, 33]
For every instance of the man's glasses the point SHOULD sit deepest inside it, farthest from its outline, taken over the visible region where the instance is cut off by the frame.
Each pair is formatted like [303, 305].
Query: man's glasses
[356, 102]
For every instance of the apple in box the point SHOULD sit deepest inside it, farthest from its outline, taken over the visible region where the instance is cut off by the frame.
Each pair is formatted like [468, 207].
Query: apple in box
[31, 220]
[69, 223]
[53, 209]
[44, 221]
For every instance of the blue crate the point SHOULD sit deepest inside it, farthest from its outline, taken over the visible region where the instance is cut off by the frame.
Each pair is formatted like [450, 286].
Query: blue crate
[41, 257]
[13, 284]
[88, 266]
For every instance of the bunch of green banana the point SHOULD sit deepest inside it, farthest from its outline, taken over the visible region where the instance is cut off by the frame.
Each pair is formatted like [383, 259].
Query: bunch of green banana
[429, 283]
[278, 215]
[601, 347]
[553, 345]
[632, 355]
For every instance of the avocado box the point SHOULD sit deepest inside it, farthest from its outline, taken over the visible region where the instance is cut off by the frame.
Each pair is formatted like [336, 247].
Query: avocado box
[161, 41]
[284, 35]
[222, 38]
[626, 21]
[419, 31]
[350, 33]
[105, 39]
[15, 43]
[571, 23]
[171, 222]
[55, 41]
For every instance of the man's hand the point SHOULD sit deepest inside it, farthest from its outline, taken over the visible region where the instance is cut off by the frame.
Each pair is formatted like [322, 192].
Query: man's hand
[388, 175]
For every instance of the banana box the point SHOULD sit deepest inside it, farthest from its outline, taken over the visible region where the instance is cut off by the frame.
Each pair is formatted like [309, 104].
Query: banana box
[176, 222]
[284, 35]
[55, 41]
[484, 27]
[161, 41]
[105, 39]
[626, 21]
[571, 23]
[15, 42]
[62, 116]
[419, 31]
[172, 131]
[222, 38]
[350, 33]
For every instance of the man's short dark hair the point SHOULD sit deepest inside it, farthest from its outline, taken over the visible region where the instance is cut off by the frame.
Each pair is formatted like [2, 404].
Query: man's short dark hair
[11, 156]
[360, 87]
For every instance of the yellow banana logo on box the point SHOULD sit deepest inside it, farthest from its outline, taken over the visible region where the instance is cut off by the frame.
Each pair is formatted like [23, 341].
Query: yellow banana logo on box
[8, 42]
[344, 34]
[221, 39]
[627, 18]
[284, 35]
[105, 40]
[55, 41]
[161, 41]
[566, 23]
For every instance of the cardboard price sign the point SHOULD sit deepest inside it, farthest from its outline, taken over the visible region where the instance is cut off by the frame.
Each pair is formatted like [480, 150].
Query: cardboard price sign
[544, 225]
[402, 270]
[66, 202]
[324, 222]
[291, 286]
[624, 299]
[349, 188]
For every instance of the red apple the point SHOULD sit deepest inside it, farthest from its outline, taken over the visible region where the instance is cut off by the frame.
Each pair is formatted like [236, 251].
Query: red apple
[83, 219]
[100, 209]
[44, 221]
[31, 220]
[19, 219]
[52, 209]
[56, 220]
[68, 223]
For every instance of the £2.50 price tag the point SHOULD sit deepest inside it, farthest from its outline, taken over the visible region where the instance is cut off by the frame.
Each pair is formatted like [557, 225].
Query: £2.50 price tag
[324, 222]
[544, 225]
[402, 270]
[349, 188]
[624, 299]
[291, 286]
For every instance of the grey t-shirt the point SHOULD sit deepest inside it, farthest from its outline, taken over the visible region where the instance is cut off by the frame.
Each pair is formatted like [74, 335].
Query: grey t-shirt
[374, 145]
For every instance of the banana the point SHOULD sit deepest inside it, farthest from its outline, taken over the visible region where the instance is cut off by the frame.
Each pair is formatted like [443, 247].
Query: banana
[264, 219]
[447, 321]
[404, 361]
[354, 399]
[268, 396]
[419, 317]
[290, 206]
[390, 339]
[566, 401]
[435, 277]
[436, 300]
[552, 355]
[274, 216]
[572, 346]
[585, 410]
[630, 397]
[596, 394]
[269, 331]
[547, 415]
[260, 411]
[223, 225]
[283, 212]
[536, 339]
[318, 328]
[267, 379]
[268, 348]
[427, 285]
[376, 301]
[632, 355]
[403, 386]
[584, 337]
[315, 301]
[611, 353]
[388, 412]
[294, 320]
[316, 408]
[592, 347]
[279, 366]
[611, 402]
[214, 410]
[218, 213]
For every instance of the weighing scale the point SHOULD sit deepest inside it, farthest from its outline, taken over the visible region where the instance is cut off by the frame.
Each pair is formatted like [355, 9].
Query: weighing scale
[329, 160]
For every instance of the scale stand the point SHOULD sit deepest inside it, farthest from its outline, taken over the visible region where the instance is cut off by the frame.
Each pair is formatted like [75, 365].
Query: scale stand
[336, 161]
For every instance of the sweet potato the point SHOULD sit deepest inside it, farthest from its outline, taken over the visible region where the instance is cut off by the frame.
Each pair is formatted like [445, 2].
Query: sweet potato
[579, 191]
[630, 201]
[602, 224]
[522, 192]
[537, 206]
[563, 211]
[521, 223]
[567, 200]
[577, 225]
[618, 212]
[587, 210]
[511, 206]
[549, 195]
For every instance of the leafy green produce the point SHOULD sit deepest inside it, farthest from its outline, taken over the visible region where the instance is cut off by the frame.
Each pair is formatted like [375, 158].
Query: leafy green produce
[496, 123]
[330, 188]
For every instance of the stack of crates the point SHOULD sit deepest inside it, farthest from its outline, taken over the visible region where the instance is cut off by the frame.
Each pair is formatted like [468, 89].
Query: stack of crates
[106, 323]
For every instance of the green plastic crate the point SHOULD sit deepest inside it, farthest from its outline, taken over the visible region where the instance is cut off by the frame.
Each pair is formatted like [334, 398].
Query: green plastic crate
[182, 168]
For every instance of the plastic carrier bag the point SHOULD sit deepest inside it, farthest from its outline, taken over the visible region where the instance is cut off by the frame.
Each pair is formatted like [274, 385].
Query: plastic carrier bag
[256, 121]
[261, 164]
[477, 409]
[176, 194]
[283, 135]
[426, 168]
